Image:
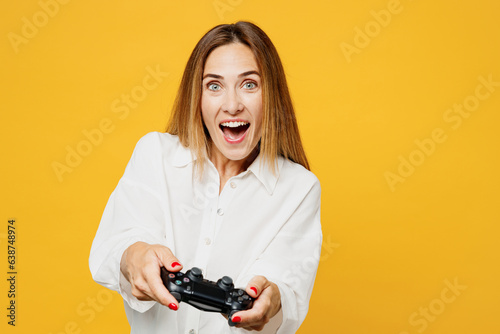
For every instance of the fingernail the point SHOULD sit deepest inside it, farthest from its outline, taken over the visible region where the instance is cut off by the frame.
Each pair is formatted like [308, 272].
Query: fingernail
[175, 264]
[236, 319]
[173, 307]
[254, 289]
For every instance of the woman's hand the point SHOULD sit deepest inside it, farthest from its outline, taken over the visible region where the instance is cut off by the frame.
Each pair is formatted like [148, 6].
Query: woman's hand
[266, 305]
[141, 263]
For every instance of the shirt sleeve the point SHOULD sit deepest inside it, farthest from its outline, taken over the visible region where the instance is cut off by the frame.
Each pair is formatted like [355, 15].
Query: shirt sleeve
[134, 212]
[291, 260]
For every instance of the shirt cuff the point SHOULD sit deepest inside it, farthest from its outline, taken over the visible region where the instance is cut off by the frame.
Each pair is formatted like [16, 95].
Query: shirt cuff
[288, 313]
[125, 290]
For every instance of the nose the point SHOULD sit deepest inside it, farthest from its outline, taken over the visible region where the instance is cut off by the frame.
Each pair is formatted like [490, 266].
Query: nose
[232, 103]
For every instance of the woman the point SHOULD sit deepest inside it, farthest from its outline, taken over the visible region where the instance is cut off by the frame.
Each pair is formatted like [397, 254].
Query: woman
[226, 189]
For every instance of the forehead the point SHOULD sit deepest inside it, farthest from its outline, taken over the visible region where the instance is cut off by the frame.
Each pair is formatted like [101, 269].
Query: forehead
[230, 58]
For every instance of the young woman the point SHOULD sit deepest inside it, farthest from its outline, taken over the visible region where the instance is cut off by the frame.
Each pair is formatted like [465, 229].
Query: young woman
[226, 189]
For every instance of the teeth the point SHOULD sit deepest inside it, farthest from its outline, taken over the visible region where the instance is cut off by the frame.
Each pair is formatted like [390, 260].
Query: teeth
[233, 124]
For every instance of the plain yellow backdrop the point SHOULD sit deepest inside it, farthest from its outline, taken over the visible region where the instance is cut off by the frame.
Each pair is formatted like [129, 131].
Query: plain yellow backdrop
[398, 104]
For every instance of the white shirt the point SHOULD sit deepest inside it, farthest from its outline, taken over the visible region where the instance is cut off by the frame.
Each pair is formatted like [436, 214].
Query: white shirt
[260, 224]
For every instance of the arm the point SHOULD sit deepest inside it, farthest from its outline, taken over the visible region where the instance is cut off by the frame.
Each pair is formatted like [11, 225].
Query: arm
[135, 213]
[289, 265]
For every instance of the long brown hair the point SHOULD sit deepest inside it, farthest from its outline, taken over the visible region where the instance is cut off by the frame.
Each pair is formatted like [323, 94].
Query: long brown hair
[280, 133]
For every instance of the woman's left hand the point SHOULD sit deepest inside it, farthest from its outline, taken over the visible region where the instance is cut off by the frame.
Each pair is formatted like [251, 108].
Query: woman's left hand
[265, 306]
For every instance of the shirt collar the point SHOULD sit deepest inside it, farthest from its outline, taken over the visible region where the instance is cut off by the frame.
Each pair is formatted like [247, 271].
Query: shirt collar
[183, 157]
[264, 174]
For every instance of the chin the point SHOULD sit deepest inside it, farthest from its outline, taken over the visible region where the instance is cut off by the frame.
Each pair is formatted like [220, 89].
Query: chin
[236, 156]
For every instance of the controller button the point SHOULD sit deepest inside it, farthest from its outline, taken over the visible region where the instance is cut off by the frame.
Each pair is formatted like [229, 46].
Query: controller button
[178, 282]
[179, 274]
[188, 288]
[171, 275]
[245, 297]
[186, 280]
[240, 299]
[229, 300]
[240, 292]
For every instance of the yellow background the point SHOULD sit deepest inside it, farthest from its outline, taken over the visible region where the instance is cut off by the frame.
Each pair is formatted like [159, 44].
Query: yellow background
[389, 252]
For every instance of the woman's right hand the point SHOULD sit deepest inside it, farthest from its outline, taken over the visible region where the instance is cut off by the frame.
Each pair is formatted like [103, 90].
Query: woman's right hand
[141, 264]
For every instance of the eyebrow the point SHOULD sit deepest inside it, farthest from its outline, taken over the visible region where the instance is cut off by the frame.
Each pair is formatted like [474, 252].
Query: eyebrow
[244, 74]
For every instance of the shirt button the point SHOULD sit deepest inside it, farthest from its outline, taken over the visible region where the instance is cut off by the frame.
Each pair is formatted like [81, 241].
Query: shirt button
[192, 331]
[233, 185]
[220, 212]
[208, 241]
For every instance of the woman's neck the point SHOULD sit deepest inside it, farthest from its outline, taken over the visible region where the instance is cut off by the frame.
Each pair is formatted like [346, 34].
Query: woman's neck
[228, 168]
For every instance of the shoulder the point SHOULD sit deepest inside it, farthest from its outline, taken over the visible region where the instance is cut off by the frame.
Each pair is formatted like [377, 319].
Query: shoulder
[155, 140]
[163, 144]
[163, 147]
[295, 181]
[293, 173]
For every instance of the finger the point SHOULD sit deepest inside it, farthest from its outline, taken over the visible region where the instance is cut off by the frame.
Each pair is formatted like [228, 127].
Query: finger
[150, 284]
[168, 259]
[140, 289]
[255, 316]
[264, 307]
[139, 294]
[254, 328]
[252, 318]
[256, 285]
[161, 294]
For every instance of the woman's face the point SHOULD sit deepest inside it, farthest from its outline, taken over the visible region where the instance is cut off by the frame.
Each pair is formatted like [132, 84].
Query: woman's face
[231, 102]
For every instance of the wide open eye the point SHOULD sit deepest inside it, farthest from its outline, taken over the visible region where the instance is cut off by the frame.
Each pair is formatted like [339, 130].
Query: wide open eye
[213, 86]
[250, 85]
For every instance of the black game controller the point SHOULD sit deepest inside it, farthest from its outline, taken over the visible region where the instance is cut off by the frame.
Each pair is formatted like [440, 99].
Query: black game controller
[205, 295]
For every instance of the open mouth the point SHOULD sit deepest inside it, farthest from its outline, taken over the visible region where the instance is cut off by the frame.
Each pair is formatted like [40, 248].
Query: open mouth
[234, 131]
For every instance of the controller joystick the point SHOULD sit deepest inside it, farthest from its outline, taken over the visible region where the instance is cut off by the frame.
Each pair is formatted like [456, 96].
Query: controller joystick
[205, 295]
[226, 283]
[195, 274]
